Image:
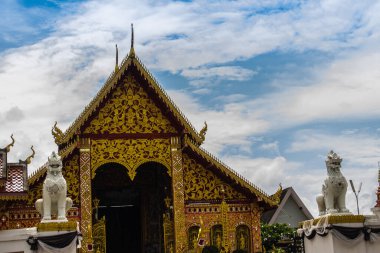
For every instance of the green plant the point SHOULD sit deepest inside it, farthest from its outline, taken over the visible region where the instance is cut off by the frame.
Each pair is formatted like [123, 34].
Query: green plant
[271, 235]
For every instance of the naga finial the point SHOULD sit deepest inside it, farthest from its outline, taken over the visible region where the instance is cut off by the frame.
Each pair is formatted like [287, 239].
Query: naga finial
[117, 59]
[132, 50]
[203, 132]
[277, 196]
[29, 158]
[57, 133]
[8, 147]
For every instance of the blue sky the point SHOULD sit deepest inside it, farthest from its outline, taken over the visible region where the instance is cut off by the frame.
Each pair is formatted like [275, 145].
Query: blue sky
[280, 83]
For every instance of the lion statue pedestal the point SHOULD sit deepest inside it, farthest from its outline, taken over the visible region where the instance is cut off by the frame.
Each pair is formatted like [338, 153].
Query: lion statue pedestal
[333, 197]
[54, 200]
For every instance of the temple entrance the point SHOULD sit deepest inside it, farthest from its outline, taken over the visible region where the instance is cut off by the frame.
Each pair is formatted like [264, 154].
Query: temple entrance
[133, 210]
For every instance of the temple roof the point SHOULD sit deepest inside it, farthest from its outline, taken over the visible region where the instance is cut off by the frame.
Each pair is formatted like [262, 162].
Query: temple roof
[232, 175]
[67, 140]
[130, 60]
[13, 176]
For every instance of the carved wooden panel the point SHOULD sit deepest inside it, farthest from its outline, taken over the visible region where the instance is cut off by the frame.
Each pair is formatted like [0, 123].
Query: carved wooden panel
[71, 173]
[130, 153]
[202, 184]
[130, 110]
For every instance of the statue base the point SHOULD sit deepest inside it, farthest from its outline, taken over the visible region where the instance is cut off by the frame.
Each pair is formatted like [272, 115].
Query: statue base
[340, 233]
[56, 225]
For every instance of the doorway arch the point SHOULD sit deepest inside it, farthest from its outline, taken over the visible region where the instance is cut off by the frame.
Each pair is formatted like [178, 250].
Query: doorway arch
[133, 209]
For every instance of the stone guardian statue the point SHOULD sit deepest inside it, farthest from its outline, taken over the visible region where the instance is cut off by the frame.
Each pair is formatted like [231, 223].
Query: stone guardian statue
[333, 197]
[54, 190]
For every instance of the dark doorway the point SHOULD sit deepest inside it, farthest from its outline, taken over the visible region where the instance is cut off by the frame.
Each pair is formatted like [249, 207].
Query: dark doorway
[133, 209]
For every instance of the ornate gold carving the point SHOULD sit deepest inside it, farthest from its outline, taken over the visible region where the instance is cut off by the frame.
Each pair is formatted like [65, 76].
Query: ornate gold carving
[34, 193]
[130, 153]
[277, 196]
[57, 134]
[228, 172]
[8, 147]
[57, 226]
[202, 184]
[178, 196]
[99, 236]
[193, 236]
[71, 174]
[243, 238]
[130, 110]
[224, 214]
[203, 132]
[29, 158]
[85, 197]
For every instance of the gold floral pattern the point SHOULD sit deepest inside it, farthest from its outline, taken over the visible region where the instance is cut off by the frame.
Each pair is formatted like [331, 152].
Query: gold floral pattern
[71, 174]
[129, 109]
[202, 184]
[130, 153]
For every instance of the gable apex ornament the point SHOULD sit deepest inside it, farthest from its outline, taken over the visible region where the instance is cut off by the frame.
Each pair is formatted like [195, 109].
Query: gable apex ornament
[132, 50]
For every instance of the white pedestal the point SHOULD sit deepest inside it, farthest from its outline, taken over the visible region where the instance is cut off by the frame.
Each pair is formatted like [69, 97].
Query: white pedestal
[15, 240]
[332, 241]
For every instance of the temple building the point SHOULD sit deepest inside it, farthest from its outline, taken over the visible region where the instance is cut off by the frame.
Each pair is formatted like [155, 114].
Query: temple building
[139, 178]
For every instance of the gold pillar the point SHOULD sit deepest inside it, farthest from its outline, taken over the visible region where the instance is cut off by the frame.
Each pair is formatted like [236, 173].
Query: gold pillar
[178, 196]
[85, 194]
[256, 243]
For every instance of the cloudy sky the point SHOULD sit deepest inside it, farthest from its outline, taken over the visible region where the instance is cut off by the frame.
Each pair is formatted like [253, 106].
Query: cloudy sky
[280, 83]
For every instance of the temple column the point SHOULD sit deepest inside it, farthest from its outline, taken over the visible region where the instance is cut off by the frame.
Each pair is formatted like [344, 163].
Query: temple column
[178, 196]
[256, 228]
[85, 193]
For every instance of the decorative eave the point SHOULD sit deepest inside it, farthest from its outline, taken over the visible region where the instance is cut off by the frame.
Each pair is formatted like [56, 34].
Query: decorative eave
[272, 200]
[40, 172]
[9, 196]
[113, 79]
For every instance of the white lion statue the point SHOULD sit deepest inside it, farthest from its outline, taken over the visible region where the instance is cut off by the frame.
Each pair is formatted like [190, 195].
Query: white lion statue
[54, 190]
[333, 197]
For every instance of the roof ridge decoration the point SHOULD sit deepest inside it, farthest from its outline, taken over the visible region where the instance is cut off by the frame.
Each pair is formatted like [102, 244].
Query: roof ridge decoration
[29, 158]
[57, 134]
[111, 82]
[8, 147]
[203, 132]
[272, 200]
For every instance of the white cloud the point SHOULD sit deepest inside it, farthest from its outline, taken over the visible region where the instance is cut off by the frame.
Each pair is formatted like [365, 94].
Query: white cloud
[234, 73]
[231, 125]
[270, 146]
[359, 149]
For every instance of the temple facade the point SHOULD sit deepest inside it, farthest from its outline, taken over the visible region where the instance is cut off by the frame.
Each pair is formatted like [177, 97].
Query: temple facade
[140, 180]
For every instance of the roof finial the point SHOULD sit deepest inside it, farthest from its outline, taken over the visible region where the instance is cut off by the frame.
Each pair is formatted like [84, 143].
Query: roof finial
[8, 147]
[117, 59]
[132, 50]
[29, 158]
[132, 36]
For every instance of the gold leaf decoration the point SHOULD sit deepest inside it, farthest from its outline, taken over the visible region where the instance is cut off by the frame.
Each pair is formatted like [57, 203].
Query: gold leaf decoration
[130, 153]
[202, 184]
[130, 110]
[71, 174]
